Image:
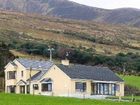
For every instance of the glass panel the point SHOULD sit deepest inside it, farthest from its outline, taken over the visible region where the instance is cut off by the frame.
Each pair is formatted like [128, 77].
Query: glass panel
[47, 87]
[80, 87]
[11, 75]
[101, 89]
[113, 89]
[110, 89]
[11, 89]
[106, 89]
[117, 87]
[35, 86]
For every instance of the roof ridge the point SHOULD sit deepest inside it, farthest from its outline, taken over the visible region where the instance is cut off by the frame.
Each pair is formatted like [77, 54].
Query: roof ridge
[85, 65]
[33, 59]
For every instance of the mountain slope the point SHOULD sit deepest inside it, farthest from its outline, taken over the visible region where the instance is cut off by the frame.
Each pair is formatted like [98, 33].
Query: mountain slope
[123, 16]
[72, 10]
[104, 38]
[61, 8]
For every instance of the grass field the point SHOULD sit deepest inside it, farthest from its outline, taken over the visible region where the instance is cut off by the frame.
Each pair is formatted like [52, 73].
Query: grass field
[132, 80]
[12, 99]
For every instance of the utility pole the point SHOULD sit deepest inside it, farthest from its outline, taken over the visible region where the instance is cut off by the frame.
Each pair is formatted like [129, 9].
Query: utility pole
[50, 49]
[124, 69]
[30, 75]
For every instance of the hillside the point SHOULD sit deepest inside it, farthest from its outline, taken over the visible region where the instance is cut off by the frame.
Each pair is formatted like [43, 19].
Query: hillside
[72, 10]
[129, 16]
[88, 42]
[104, 38]
[59, 8]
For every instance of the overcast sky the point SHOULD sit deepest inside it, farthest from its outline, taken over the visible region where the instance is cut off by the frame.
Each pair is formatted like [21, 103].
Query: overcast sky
[110, 4]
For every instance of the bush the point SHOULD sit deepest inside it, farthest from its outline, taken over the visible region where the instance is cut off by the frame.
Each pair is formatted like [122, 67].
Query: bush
[129, 90]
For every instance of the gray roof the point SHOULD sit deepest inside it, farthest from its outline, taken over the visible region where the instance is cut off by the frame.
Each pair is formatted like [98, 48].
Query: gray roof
[89, 72]
[42, 66]
[35, 64]
[73, 71]
[38, 76]
[13, 63]
[46, 80]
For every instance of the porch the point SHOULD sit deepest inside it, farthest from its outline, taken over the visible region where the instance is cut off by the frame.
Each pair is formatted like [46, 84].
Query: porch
[43, 87]
[99, 88]
[96, 89]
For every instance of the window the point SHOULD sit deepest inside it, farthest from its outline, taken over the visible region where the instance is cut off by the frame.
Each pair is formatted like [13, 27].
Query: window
[113, 89]
[117, 87]
[47, 87]
[35, 86]
[104, 89]
[11, 89]
[21, 73]
[11, 75]
[80, 86]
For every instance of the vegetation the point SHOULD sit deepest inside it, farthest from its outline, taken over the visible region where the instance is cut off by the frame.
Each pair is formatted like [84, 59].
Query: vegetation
[103, 38]
[5, 57]
[82, 56]
[132, 85]
[11, 99]
[132, 80]
[87, 42]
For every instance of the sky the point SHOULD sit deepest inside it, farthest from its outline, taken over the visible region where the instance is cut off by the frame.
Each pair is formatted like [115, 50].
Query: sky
[110, 4]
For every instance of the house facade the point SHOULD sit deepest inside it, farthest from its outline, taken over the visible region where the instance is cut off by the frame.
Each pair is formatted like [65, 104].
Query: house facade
[24, 76]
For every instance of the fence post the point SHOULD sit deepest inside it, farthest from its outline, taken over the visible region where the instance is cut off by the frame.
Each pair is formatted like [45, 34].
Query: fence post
[133, 99]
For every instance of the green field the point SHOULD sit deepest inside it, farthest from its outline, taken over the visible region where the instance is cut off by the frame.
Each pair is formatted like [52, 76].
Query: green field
[132, 80]
[12, 99]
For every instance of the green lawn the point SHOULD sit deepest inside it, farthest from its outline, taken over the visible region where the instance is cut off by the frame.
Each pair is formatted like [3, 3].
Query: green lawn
[132, 80]
[12, 99]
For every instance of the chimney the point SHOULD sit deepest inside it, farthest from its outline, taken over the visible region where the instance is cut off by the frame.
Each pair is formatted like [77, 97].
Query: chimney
[65, 62]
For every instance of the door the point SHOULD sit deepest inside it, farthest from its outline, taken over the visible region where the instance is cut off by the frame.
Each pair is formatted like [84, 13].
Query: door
[28, 89]
[22, 89]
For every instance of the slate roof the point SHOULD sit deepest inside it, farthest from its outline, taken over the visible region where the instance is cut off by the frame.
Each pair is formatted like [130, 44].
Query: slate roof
[38, 76]
[46, 80]
[35, 64]
[89, 72]
[73, 71]
[41, 66]
[13, 63]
